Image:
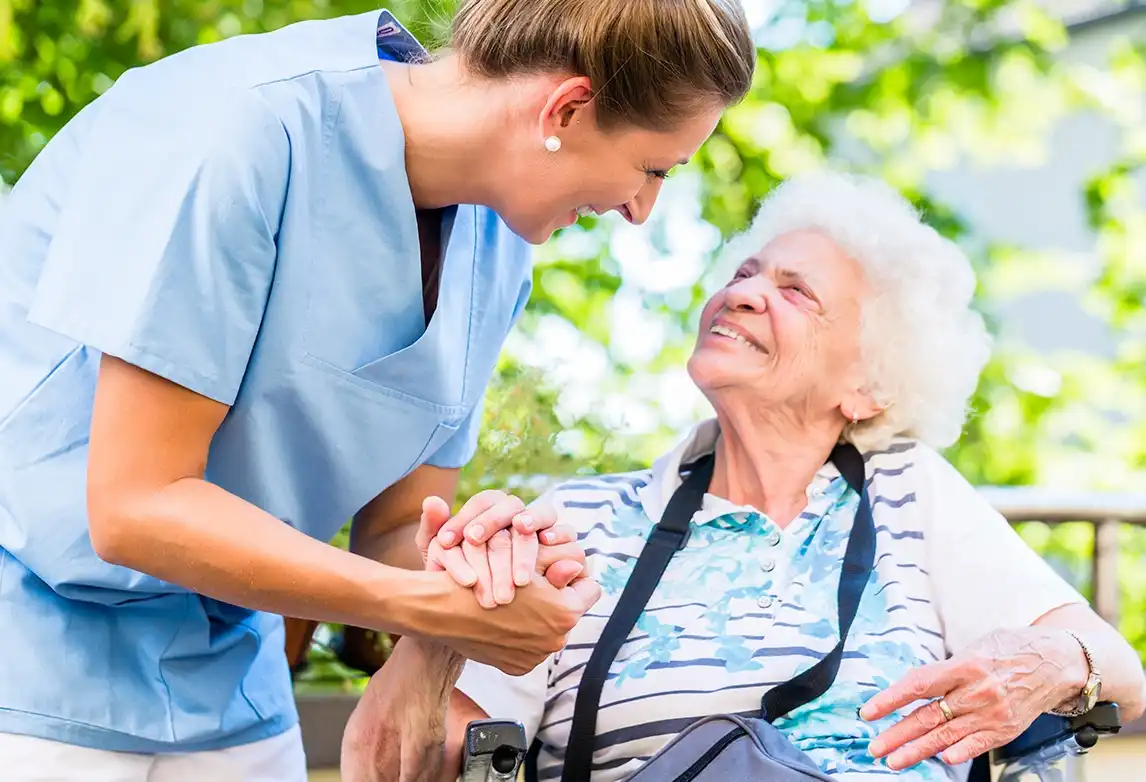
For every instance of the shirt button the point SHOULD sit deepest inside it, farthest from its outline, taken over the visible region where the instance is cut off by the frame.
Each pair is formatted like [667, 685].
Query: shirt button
[768, 565]
[764, 601]
[773, 538]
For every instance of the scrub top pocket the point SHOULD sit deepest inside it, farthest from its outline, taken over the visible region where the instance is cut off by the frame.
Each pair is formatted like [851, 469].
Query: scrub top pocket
[388, 432]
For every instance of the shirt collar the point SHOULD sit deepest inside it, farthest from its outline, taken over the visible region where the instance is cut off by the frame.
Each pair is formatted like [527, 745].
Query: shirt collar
[398, 44]
[701, 441]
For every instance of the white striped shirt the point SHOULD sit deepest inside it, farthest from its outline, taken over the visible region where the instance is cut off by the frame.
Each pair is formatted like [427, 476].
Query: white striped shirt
[747, 605]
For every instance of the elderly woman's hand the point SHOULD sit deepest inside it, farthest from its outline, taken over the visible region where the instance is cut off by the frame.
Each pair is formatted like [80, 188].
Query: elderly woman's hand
[503, 545]
[994, 690]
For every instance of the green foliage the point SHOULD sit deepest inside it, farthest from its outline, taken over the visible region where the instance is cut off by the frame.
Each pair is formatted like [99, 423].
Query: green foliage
[58, 55]
[520, 449]
[918, 97]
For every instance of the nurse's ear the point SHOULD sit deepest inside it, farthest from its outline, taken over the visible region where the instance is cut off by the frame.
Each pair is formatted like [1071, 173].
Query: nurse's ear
[570, 103]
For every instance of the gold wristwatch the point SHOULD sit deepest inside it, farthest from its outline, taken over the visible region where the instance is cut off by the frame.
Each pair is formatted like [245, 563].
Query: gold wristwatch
[1091, 691]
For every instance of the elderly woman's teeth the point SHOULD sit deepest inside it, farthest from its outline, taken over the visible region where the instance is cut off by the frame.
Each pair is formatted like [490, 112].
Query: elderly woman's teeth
[724, 332]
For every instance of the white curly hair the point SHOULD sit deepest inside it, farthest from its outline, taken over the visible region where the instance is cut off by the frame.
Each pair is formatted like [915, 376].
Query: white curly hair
[922, 343]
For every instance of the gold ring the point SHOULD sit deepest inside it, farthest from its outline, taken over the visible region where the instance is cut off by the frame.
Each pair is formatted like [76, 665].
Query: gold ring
[948, 715]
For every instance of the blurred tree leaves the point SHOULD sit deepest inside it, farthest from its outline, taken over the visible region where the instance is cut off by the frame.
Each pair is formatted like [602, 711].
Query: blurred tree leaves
[895, 93]
[58, 55]
[520, 450]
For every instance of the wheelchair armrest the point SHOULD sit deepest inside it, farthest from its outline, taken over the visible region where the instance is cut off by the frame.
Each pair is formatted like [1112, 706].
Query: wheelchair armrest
[1087, 729]
[1103, 720]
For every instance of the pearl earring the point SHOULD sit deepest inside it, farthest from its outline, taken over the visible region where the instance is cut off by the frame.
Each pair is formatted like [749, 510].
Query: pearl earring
[552, 143]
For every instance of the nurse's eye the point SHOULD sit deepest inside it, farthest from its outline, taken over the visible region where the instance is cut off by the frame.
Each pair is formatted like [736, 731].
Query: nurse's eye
[658, 173]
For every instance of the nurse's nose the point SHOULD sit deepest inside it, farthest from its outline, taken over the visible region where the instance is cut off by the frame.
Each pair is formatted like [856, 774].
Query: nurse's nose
[641, 205]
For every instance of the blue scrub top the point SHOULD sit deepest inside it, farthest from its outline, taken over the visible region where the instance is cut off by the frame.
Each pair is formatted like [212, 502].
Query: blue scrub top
[235, 218]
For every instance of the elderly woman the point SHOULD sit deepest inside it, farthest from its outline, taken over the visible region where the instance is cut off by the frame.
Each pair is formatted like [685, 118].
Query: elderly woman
[846, 319]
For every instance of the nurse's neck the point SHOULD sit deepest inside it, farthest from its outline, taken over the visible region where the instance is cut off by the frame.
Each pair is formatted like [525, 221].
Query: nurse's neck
[459, 132]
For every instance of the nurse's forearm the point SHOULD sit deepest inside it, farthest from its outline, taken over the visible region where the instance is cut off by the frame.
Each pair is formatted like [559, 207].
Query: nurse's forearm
[150, 509]
[195, 534]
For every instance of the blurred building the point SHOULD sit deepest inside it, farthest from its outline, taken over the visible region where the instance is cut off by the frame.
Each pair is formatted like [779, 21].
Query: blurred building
[1040, 207]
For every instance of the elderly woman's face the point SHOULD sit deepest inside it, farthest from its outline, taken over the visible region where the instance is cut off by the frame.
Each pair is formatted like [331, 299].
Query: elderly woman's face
[786, 326]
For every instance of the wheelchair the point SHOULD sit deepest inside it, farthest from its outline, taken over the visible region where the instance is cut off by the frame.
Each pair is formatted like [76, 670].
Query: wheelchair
[1052, 749]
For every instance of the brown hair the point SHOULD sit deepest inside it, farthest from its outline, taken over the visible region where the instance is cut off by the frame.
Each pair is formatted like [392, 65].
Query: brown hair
[651, 62]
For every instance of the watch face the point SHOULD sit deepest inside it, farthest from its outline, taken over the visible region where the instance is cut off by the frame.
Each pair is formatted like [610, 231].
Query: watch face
[1091, 693]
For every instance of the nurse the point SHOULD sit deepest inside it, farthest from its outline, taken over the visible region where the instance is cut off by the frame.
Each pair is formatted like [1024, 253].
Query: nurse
[258, 288]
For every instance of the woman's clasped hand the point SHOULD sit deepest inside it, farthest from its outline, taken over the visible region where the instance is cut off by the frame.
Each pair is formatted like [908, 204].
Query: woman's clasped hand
[495, 544]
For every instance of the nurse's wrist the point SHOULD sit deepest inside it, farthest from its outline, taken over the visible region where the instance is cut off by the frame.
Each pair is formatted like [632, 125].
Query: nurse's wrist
[408, 602]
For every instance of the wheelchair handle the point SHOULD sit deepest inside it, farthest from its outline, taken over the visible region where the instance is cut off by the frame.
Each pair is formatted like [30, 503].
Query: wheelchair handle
[1087, 729]
[493, 750]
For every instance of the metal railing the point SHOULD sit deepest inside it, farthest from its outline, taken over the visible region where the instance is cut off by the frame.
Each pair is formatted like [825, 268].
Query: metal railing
[1105, 512]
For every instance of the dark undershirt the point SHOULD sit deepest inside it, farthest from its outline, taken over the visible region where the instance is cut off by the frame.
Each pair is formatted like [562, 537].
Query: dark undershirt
[430, 242]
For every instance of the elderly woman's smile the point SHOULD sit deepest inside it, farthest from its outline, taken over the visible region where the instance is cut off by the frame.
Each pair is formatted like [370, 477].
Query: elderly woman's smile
[791, 310]
[729, 330]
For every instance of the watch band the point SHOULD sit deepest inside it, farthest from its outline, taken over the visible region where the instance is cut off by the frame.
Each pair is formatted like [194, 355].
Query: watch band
[1082, 705]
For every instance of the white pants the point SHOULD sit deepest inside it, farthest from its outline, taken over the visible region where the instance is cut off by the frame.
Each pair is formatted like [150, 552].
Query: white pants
[27, 759]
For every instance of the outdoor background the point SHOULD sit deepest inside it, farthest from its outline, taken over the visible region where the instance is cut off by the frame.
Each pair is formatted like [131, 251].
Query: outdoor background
[1016, 126]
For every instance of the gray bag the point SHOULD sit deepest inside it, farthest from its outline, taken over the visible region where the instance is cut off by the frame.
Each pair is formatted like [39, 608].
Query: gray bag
[726, 747]
[730, 749]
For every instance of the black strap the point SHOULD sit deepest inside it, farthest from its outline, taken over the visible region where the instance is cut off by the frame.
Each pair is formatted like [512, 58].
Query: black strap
[859, 560]
[669, 536]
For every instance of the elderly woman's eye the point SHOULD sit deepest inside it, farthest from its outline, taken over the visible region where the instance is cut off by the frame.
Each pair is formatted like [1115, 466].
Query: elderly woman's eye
[657, 172]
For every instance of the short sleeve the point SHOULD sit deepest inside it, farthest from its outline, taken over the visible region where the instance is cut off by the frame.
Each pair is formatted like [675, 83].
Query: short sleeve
[506, 697]
[164, 251]
[462, 445]
[984, 576]
[456, 452]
